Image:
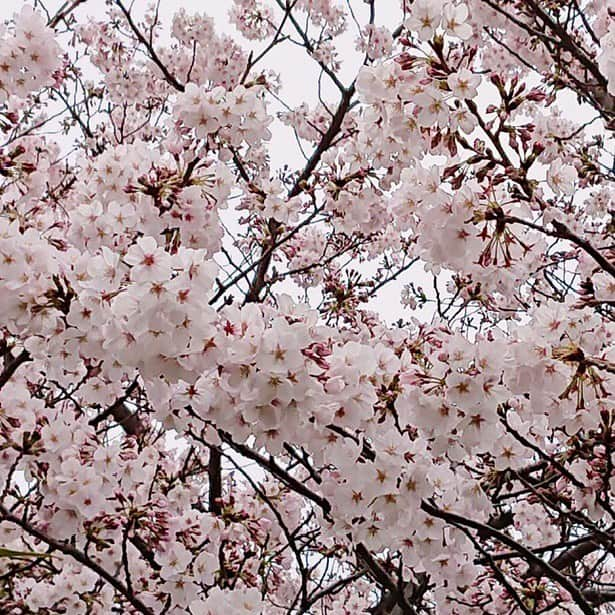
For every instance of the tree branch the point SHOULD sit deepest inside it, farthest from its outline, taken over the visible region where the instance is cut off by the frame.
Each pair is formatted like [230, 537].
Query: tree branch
[78, 556]
[11, 367]
[547, 569]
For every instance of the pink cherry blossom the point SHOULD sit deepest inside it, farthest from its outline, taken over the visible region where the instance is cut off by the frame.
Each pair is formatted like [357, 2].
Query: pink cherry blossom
[308, 313]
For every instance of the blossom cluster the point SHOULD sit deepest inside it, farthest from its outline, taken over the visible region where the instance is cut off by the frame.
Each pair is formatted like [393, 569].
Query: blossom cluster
[380, 381]
[29, 56]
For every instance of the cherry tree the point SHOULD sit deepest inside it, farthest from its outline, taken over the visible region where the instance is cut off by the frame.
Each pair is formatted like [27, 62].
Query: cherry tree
[374, 378]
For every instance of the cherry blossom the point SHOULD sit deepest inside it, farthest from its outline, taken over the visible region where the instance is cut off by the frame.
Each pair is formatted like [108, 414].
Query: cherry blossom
[374, 377]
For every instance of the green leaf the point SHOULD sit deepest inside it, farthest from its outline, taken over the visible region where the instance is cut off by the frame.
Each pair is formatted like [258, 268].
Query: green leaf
[21, 554]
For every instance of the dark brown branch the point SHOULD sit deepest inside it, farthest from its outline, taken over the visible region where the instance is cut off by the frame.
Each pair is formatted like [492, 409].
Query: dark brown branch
[214, 473]
[381, 576]
[568, 43]
[121, 413]
[497, 571]
[561, 231]
[555, 36]
[333, 589]
[63, 12]
[547, 569]
[599, 596]
[258, 282]
[600, 364]
[79, 557]
[564, 232]
[575, 554]
[11, 367]
[569, 544]
[270, 464]
[170, 78]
